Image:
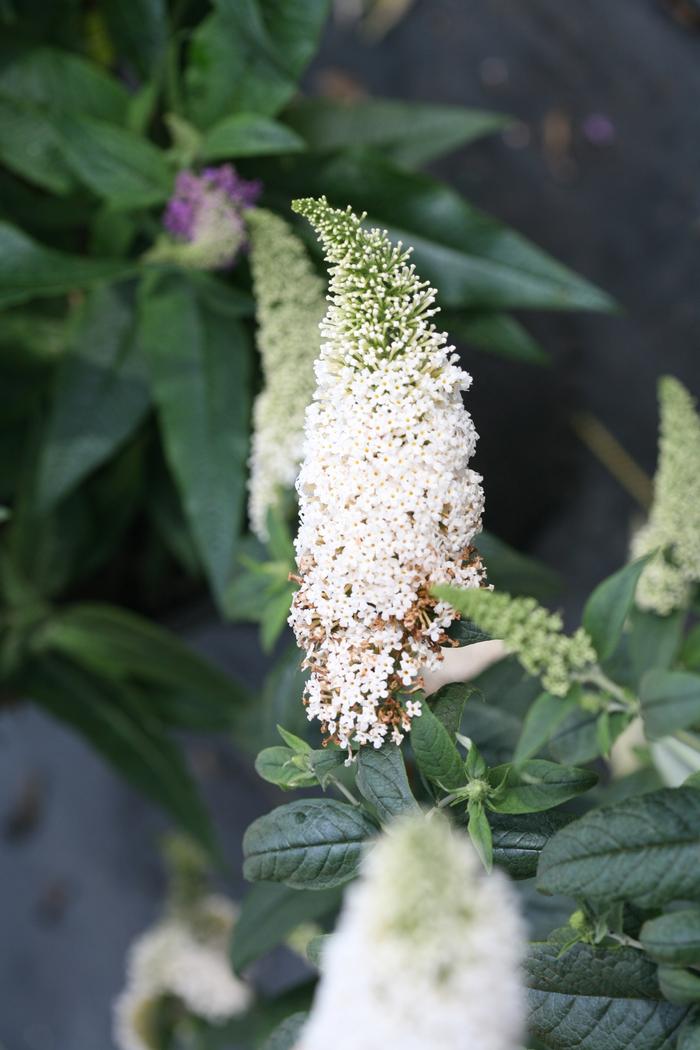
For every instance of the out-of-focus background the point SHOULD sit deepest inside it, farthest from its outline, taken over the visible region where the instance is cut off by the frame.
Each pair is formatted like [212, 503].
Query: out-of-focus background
[600, 169]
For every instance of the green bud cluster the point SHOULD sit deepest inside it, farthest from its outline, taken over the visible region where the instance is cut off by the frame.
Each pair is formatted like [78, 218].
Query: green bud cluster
[531, 632]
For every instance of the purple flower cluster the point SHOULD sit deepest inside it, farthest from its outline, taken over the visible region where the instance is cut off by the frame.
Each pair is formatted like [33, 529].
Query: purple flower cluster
[208, 207]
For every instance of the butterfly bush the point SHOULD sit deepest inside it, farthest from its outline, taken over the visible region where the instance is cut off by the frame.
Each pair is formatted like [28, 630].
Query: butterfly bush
[205, 218]
[388, 503]
[290, 301]
[427, 951]
[184, 958]
[533, 633]
[674, 522]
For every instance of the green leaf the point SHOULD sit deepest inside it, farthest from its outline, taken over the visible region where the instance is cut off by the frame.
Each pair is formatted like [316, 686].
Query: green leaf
[463, 632]
[673, 938]
[280, 766]
[435, 750]
[607, 609]
[28, 270]
[448, 704]
[597, 999]
[382, 780]
[247, 56]
[139, 29]
[310, 844]
[286, 1034]
[542, 719]
[643, 850]
[59, 81]
[325, 763]
[412, 133]
[690, 653]
[519, 841]
[511, 571]
[678, 985]
[577, 740]
[100, 396]
[134, 744]
[268, 913]
[472, 259]
[653, 641]
[480, 833]
[120, 645]
[537, 785]
[30, 147]
[118, 165]
[670, 701]
[495, 334]
[689, 1037]
[199, 362]
[248, 135]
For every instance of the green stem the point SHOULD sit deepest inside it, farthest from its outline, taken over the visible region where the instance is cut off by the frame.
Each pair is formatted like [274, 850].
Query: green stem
[344, 791]
[599, 679]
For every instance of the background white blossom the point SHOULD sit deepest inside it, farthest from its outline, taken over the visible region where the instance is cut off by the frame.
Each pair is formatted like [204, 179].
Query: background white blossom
[290, 301]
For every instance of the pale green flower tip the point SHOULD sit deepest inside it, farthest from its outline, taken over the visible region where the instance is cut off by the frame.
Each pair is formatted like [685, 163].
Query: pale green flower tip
[307, 206]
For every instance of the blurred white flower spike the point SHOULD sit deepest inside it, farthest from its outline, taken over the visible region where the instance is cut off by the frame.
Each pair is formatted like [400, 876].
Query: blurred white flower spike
[290, 302]
[184, 961]
[674, 522]
[388, 503]
[427, 953]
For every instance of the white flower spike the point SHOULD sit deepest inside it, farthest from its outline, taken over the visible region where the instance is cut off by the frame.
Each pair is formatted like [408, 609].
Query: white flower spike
[187, 960]
[388, 503]
[427, 952]
[674, 522]
[290, 302]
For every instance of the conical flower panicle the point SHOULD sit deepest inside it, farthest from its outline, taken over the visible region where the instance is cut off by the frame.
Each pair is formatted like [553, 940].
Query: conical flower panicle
[531, 632]
[674, 522]
[427, 951]
[388, 503]
[290, 301]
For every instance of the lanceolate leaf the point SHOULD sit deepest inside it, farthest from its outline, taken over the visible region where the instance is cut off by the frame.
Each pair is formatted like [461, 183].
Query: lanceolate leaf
[511, 571]
[28, 270]
[100, 396]
[542, 719]
[60, 82]
[311, 844]
[673, 938]
[199, 362]
[246, 56]
[411, 133]
[644, 850]
[118, 644]
[248, 135]
[124, 168]
[608, 607]
[537, 785]
[519, 840]
[596, 999]
[495, 334]
[670, 701]
[472, 259]
[121, 731]
[29, 146]
[435, 750]
[381, 777]
[268, 913]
